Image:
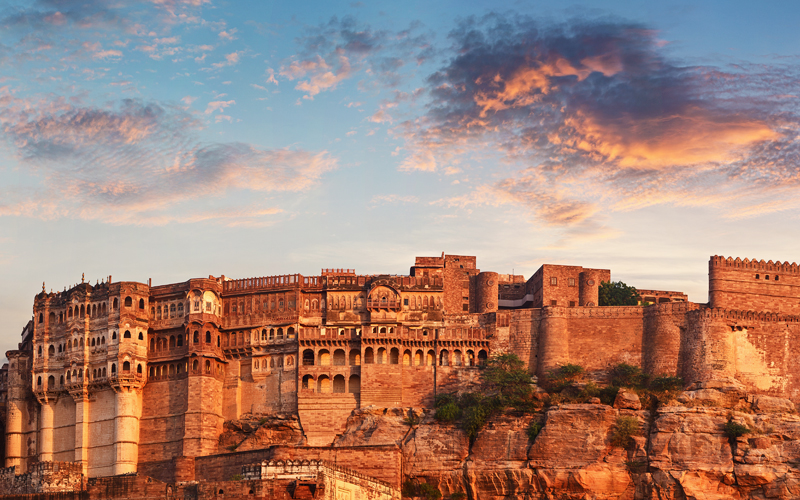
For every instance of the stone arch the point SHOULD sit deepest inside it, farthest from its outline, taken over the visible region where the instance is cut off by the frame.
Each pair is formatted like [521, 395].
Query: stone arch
[323, 384]
[354, 384]
[369, 356]
[308, 357]
[418, 358]
[407, 357]
[339, 384]
[482, 357]
[339, 358]
[444, 358]
[394, 356]
[324, 357]
[381, 356]
[456, 358]
[355, 357]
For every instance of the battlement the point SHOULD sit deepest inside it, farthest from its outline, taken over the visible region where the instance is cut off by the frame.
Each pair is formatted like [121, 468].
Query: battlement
[271, 283]
[42, 477]
[337, 272]
[670, 308]
[784, 267]
[755, 316]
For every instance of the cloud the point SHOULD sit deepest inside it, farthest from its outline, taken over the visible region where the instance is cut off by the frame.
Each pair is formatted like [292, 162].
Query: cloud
[591, 116]
[393, 199]
[335, 51]
[227, 35]
[140, 163]
[107, 54]
[218, 106]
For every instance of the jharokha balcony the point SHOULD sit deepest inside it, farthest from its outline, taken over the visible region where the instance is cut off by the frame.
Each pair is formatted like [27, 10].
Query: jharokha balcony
[384, 304]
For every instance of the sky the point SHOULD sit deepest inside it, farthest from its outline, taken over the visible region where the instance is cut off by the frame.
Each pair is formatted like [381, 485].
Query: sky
[171, 139]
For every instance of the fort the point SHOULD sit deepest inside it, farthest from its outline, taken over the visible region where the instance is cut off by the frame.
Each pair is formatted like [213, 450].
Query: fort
[120, 383]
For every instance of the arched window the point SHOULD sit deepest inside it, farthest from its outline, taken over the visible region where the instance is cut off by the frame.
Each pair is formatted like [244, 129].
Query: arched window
[324, 357]
[407, 358]
[81, 342]
[103, 340]
[289, 360]
[444, 358]
[418, 358]
[271, 333]
[280, 334]
[308, 357]
[196, 337]
[208, 366]
[394, 356]
[39, 381]
[114, 336]
[126, 366]
[381, 356]
[323, 384]
[339, 358]
[141, 303]
[290, 332]
[218, 341]
[482, 357]
[92, 342]
[172, 341]
[52, 317]
[59, 347]
[308, 382]
[69, 344]
[141, 336]
[339, 384]
[113, 368]
[264, 334]
[69, 313]
[158, 312]
[51, 381]
[307, 304]
[368, 356]
[354, 384]
[194, 365]
[115, 304]
[94, 310]
[127, 334]
[355, 357]
[40, 351]
[51, 351]
[128, 302]
[180, 309]
[61, 380]
[83, 311]
[208, 337]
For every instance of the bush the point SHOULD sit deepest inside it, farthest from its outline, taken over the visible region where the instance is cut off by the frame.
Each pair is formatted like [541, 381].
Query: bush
[459, 495]
[236, 477]
[617, 293]
[533, 430]
[412, 419]
[428, 491]
[626, 427]
[666, 384]
[734, 430]
[562, 377]
[450, 412]
[625, 375]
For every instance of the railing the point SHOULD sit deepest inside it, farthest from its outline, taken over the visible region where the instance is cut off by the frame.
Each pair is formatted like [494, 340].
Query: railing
[336, 271]
[383, 304]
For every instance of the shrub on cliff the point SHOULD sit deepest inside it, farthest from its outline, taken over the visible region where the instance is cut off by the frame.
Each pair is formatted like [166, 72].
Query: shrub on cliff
[666, 384]
[505, 376]
[617, 293]
[563, 377]
[625, 375]
[427, 491]
[734, 430]
[626, 427]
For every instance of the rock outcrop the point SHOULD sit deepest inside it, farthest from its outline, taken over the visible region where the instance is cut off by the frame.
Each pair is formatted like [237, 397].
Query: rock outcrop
[253, 432]
[681, 451]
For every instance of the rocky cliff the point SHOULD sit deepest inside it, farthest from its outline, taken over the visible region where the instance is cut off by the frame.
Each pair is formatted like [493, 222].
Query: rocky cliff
[685, 448]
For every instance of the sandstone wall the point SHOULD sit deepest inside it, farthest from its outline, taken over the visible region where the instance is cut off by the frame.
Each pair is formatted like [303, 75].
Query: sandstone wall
[753, 285]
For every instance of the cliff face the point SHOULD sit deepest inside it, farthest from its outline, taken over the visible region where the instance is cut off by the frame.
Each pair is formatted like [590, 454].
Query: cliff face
[681, 451]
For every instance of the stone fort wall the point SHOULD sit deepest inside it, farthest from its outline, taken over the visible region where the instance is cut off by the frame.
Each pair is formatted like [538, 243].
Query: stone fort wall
[213, 350]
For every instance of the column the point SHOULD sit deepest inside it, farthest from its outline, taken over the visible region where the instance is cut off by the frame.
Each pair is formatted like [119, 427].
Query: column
[14, 435]
[126, 430]
[46, 431]
[82, 430]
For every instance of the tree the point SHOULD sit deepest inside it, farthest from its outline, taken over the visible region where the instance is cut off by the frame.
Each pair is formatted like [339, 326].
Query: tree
[617, 293]
[506, 376]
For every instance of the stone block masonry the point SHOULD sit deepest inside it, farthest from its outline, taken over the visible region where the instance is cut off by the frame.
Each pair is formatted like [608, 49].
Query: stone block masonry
[126, 377]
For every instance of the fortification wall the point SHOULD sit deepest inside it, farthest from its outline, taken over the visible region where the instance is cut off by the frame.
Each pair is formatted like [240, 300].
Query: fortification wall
[602, 337]
[665, 326]
[43, 477]
[323, 416]
[759, 350]
[64, 429]
[523, 336]
[165, 401]
[747, 285]
[102, 433]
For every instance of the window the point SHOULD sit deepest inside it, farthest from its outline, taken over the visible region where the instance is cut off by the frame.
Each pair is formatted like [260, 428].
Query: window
[465, 307]
[128, 302]
[776, 278]
[554, 281]
[141, 303]
[571, 282]
[126, 366]
[553, 302]
[758, 276]
[141, 336]
[196, 305]
[405, 302]
[196, 337]
[208, 337]
[572, 303]
[127, 334]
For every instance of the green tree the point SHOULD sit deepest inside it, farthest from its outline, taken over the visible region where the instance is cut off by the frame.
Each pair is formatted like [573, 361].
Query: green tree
[505, 376]
[617, 293]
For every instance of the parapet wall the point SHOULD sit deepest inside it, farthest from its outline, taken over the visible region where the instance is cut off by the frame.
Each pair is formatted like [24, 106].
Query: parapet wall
[751, 285]
[43, 477]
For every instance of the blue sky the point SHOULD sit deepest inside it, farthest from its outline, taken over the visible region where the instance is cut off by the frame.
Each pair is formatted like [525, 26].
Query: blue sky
[170, 139]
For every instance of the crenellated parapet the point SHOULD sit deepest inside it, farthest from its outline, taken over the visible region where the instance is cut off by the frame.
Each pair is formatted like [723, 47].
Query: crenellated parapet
[755, 264]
